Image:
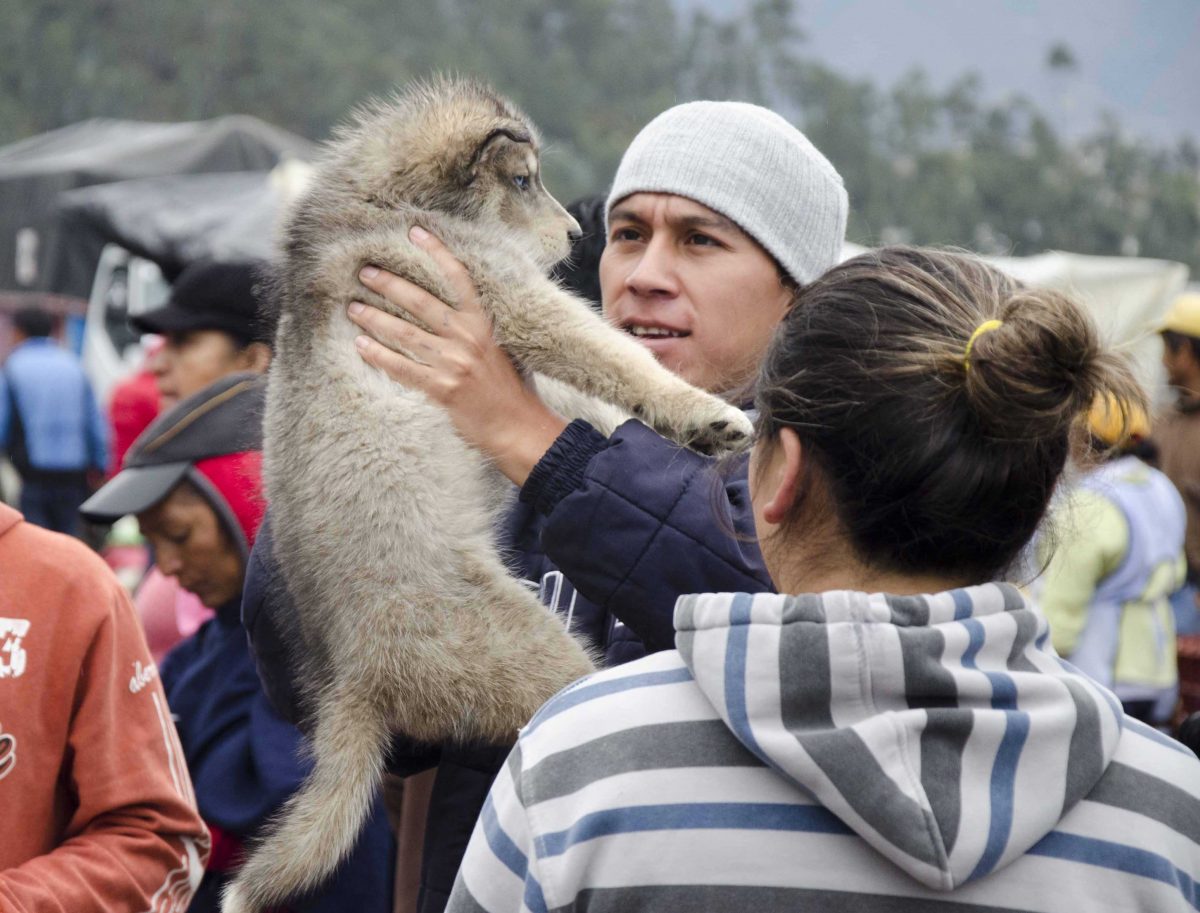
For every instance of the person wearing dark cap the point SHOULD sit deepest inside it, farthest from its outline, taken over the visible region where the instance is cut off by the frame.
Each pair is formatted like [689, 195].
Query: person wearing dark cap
[211, 327]
[193, 479]
[50, 425]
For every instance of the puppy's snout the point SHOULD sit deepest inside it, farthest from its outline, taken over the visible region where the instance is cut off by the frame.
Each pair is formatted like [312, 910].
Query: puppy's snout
[574, 232]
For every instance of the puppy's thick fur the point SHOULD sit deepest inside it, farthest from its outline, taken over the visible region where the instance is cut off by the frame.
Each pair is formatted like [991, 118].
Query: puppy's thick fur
[383, 518]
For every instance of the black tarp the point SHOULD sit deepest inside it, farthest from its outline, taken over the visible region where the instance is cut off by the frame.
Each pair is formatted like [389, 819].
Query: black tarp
[35, 172]
[177, 220]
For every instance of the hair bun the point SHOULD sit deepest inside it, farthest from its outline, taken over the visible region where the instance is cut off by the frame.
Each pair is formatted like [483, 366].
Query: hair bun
[1037, 372]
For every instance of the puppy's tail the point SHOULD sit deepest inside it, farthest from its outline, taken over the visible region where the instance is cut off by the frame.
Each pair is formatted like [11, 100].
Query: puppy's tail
[318, 826]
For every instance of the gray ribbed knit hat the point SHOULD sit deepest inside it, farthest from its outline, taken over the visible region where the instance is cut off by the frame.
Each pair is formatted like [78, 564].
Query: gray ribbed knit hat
[753, 167]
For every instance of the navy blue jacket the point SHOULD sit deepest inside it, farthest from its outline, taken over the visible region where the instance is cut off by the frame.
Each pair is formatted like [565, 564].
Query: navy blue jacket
[245, 761]
[612, 531]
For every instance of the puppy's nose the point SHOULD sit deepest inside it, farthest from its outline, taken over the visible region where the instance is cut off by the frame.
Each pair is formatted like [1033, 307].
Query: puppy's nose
[574, 232]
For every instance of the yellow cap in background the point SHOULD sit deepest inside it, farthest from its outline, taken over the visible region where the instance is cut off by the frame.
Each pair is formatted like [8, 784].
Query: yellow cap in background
[1106, 422]
[1183, 316]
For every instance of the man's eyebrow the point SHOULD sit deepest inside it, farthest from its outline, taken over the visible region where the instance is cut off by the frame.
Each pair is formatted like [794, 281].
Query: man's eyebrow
[625, 215]
[716, 220]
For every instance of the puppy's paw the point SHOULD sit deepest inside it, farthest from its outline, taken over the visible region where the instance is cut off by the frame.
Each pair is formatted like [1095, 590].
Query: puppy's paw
[699, 421]
[731, 433]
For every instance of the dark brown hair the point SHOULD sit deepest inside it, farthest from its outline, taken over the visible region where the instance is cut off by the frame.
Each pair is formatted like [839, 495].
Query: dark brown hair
[932, 461]
[33, 322]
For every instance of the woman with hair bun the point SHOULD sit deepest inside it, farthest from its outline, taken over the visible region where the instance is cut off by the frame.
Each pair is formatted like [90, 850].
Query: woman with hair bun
[893, 728]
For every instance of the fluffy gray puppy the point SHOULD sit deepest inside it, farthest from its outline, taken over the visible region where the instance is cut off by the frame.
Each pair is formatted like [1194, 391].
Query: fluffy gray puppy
[384, 518]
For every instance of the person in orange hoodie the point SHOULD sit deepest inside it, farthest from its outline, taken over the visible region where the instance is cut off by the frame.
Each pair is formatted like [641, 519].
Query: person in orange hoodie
[98, 809]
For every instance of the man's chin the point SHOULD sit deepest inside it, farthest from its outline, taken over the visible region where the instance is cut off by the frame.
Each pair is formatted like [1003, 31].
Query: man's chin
[669, 350]
[676, 354]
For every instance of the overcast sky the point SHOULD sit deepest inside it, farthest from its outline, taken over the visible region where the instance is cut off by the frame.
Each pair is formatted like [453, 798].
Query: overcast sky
[1138, 58]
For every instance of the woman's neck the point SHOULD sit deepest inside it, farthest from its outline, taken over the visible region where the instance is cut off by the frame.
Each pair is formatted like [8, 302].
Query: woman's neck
[801, 573]
[892, 584]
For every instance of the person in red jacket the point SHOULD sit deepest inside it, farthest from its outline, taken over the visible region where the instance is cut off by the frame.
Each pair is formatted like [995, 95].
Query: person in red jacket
[98, 808]
[134, 404]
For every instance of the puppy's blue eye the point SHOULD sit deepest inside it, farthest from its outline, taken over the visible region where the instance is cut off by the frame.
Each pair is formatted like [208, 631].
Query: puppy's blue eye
[522, 181]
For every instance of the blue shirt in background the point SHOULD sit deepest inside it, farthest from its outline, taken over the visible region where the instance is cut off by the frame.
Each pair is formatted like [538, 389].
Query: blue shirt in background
[64, 429]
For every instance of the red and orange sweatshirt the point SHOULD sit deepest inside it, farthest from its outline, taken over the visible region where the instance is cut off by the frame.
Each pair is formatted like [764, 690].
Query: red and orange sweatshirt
[97, 805]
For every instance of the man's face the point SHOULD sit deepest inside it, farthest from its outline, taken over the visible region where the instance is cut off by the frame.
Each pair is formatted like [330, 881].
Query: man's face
[692, 287]
[1182, 368]
[190, 361]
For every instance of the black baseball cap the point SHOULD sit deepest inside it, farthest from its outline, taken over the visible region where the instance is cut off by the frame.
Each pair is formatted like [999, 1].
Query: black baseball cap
[225, 417]
[213, 295]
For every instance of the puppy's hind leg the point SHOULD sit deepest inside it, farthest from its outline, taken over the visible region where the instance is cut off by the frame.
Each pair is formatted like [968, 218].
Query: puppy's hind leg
[518, 652]
[319, 825]
[549, 331]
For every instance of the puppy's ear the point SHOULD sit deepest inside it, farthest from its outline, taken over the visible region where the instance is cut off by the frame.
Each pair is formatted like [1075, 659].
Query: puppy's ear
[487, 149]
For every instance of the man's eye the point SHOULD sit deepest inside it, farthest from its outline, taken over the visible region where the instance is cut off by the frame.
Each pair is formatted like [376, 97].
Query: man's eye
[625, 234]
[521, 180]
[702, 240]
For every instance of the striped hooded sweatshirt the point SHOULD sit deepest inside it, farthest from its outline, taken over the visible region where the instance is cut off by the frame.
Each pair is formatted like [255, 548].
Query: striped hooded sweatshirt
[841, 751]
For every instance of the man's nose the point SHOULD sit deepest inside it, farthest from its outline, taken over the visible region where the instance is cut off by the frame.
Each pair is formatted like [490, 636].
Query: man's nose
[653, 274]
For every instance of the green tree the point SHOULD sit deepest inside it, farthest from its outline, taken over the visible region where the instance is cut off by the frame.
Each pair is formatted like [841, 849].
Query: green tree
[920, 164]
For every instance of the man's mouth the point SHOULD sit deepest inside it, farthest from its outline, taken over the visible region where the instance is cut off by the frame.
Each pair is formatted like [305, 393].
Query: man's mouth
[652, 332]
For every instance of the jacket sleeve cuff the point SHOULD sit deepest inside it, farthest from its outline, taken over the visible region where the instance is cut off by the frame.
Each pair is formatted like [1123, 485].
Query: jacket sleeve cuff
[560, 470]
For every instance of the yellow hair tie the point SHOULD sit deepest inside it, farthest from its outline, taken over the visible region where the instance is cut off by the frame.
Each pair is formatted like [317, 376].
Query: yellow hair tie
[986, 327]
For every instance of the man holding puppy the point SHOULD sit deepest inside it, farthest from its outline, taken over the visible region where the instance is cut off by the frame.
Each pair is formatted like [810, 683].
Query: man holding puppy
[718, 211]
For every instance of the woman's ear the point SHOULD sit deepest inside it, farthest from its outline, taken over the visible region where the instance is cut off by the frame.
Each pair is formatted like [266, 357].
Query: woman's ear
[783, 477]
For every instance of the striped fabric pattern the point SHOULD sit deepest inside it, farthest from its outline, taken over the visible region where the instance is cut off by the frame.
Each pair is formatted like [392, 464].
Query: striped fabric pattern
[841, 751]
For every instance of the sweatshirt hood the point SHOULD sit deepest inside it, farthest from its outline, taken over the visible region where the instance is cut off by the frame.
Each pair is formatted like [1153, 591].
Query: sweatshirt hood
[941, 729]
[232, 483]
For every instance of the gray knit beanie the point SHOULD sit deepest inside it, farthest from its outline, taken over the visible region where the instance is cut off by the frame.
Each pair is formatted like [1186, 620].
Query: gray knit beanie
[751, 166]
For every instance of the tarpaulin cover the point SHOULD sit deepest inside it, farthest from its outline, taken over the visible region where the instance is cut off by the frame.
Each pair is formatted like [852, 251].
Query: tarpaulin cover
[36, 253]
[177, 220]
